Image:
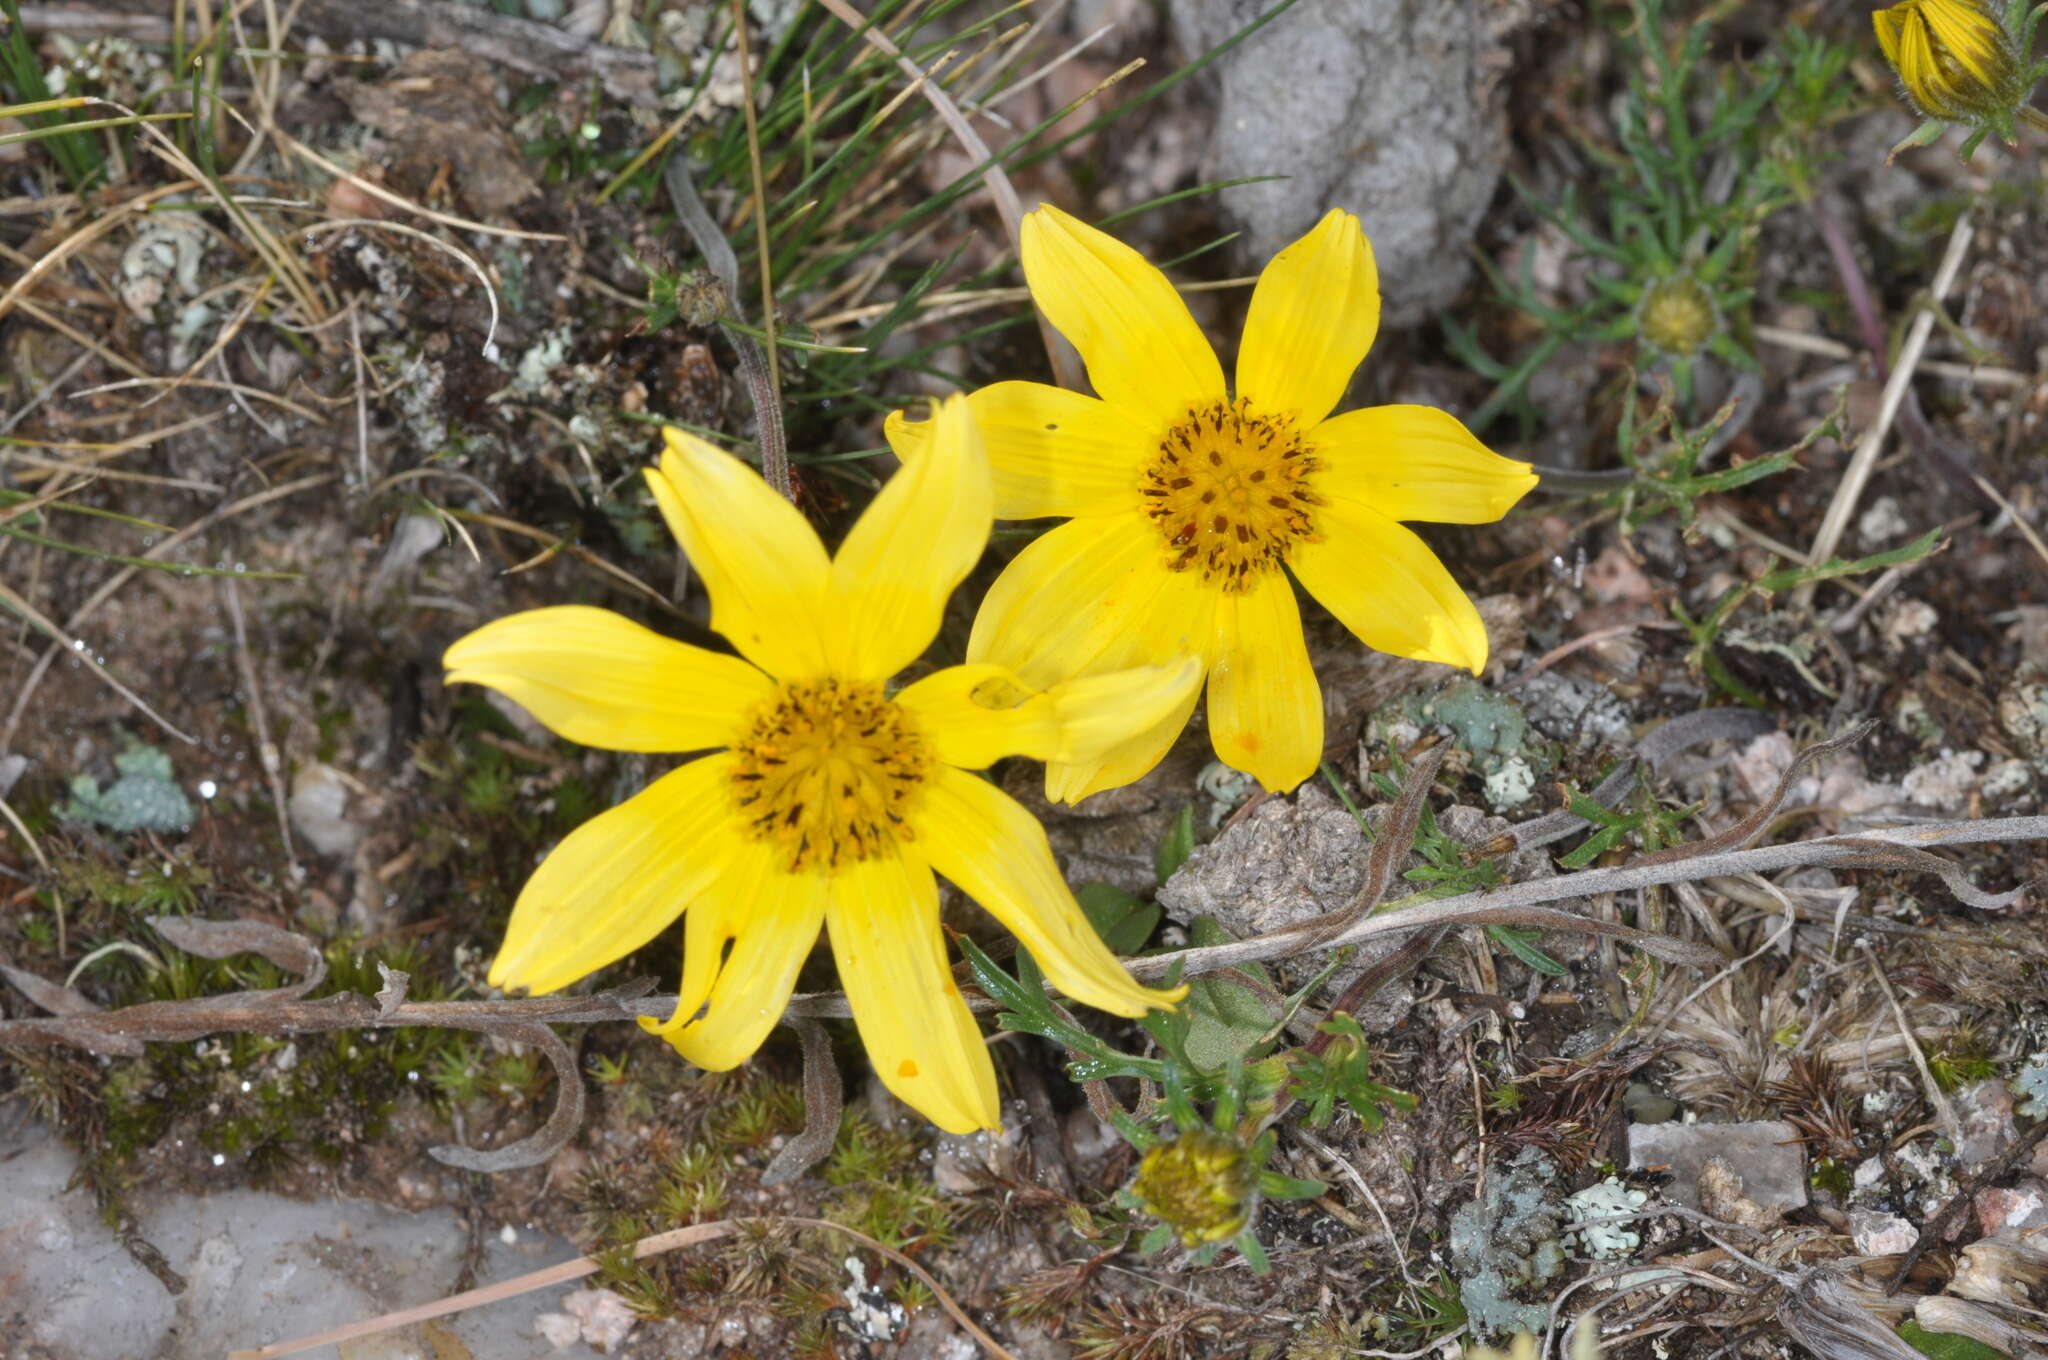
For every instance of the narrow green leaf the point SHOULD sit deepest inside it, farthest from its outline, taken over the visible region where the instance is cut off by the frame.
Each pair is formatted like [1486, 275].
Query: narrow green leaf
[1178, 844]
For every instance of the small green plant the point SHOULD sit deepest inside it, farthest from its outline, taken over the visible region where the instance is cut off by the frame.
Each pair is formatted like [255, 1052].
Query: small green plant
[1706, 630]
[1701, 155]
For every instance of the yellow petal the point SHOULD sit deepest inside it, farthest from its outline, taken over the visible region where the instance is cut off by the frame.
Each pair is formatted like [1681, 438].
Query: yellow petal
[883, 914]
[1129, 760]
[615, 882]
[917, 539]
[1092, 595]
[1385, 585]
[975, 715]
[997, 854]
[1051, 451]
[1416, 463]
[1313, 316]
[762, 564]
[728, 1002]
[1974, 38]
[1891, 24]
[602, 680]
[1145, 354]
[1265, 708]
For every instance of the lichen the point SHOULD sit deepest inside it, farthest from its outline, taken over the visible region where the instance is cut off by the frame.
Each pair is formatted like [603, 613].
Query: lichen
[144, 798]
[1510, 1240]
[2031, 1086]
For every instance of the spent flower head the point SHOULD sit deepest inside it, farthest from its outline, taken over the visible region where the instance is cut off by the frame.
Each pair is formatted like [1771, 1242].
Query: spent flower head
[1191, 501]
[1959, 63]
[828, 799]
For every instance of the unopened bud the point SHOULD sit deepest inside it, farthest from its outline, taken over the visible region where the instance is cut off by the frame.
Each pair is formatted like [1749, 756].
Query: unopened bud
[1678, 315]
[1955, 60]
[1199, 1185]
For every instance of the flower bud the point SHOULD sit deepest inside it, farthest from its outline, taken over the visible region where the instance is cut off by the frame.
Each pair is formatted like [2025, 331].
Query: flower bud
[1955, 60]
[1677, 315]
[1199, 1185]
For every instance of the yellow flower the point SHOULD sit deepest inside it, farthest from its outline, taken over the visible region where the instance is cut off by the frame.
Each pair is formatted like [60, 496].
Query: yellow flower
[1954, 58]
[1186, 502]
[827, 800]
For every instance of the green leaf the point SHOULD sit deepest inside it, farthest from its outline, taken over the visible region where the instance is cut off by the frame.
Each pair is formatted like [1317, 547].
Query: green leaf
[1521, 943]
[1123, 921]
[1224, 1019]
[1276, 1186]
[1174, 850]
[1946, 1345]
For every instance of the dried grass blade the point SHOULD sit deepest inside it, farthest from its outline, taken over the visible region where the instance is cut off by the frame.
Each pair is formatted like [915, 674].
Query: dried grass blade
[78, 649]
[999, 187]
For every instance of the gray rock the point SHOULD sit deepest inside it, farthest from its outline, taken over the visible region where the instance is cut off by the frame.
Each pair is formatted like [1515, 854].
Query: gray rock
[1383, 107]
[1765, 1154]
[1985, 1109]
[1291, 859]
[258, 1268]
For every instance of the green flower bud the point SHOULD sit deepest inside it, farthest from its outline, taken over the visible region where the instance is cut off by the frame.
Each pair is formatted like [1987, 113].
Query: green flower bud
[1677, 315]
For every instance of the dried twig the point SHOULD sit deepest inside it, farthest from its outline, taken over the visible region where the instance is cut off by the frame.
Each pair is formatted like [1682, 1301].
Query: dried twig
[267, 753]
[1854, 477]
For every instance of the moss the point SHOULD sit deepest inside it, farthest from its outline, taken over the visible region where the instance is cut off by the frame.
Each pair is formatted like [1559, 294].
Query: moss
[882, 1190]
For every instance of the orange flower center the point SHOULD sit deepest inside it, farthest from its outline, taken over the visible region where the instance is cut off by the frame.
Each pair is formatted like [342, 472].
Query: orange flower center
[828, 772]
[1231, 492]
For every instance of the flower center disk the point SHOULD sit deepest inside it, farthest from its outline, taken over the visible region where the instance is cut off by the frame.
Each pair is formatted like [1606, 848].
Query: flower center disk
[828, 772]
[1231, 493]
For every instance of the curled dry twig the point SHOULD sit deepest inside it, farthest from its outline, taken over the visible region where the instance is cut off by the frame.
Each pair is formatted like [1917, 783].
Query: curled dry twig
[823, 1097]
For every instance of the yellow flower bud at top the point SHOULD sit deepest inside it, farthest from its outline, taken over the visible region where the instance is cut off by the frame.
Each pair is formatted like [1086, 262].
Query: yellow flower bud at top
[1199, 1185]
[1677, 315]
[1954, 58]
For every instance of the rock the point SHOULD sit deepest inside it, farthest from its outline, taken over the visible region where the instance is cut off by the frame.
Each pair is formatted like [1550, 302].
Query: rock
[963, 1163]
[319, 811]
[1383, 107]
[1721, 1197]
[1881, 1234]
[1985, 1109]
[439, 113]
[1648, 1105]
[596, 1316]
[1291, 859]
[1766, 1155]
[257, 1268]
[2024, 1205]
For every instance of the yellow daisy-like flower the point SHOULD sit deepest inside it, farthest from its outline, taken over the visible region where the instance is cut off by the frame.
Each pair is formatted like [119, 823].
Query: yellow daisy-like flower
[1186, 501]
[1954, 58]
[828, 800]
